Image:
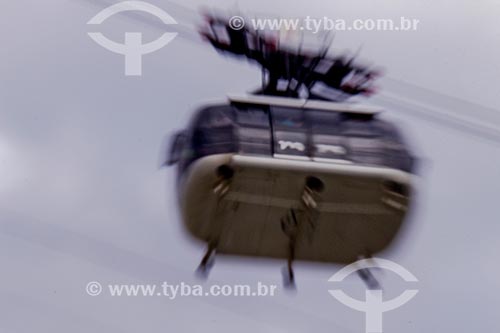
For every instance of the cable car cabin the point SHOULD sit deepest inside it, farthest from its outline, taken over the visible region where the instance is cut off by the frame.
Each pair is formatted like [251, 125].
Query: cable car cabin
[289, 178]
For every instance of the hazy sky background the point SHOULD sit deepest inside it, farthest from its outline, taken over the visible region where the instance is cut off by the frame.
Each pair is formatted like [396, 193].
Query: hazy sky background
[82, 198]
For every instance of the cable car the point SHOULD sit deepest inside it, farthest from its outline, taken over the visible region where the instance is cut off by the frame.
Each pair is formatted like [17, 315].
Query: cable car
[285, 178]
[274, 175]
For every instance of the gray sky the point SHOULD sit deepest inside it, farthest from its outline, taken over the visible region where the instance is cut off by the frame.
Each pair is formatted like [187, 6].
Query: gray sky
[82, 198]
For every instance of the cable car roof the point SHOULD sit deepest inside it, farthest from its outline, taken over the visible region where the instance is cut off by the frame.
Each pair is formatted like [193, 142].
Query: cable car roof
[304, 103]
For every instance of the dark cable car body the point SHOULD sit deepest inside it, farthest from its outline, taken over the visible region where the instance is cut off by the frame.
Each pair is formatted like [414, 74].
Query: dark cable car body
[244, 169]
[272, 174]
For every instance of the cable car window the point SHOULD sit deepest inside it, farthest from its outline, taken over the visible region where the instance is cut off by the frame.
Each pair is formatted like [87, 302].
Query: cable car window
[288, 118]
[322, 122]
[253, 131]
[359, 128]
[217, 116]
[252, 116]
[290, 132]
